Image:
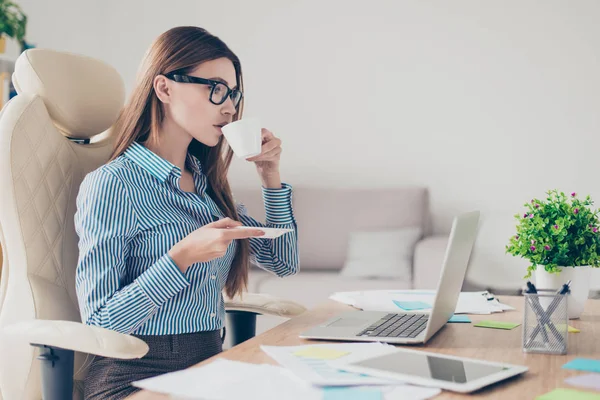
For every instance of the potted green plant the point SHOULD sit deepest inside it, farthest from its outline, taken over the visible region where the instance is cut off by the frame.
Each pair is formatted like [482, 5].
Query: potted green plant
[560, 236]
[13, 23]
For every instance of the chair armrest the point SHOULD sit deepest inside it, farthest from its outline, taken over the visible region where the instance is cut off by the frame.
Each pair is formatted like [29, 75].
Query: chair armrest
[79, 337]
[263, 304]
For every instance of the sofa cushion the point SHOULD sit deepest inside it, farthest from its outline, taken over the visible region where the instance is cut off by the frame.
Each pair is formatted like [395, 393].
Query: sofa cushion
[310, 288]
[490, 267]
[326, 216]
[428, 260]
[381, 254]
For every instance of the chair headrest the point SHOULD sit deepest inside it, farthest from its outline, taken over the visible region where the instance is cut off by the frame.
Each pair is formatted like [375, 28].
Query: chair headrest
[83, 95]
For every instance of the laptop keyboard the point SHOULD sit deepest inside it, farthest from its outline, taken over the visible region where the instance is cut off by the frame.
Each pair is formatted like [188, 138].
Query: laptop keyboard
[397, 325]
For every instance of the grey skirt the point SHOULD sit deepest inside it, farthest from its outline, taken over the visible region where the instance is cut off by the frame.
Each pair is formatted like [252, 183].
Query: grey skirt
[110, 378]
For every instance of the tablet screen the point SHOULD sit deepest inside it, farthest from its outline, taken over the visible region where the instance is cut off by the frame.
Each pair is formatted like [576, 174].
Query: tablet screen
[431, 367]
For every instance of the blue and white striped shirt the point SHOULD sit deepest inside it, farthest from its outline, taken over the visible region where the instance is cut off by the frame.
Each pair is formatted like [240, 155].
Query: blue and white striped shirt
[130, 212]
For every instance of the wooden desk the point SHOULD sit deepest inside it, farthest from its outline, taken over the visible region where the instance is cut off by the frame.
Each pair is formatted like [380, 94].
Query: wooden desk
[458, 339]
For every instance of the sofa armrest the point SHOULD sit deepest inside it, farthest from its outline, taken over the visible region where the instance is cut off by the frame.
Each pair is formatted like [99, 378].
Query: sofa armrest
[79, 337]
[263, 304]
[427, 261]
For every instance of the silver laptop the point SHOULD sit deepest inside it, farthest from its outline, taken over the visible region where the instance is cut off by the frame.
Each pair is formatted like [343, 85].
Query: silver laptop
[410, 327]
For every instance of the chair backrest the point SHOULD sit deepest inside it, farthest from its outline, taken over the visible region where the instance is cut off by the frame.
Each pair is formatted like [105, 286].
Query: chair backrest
[60, 96]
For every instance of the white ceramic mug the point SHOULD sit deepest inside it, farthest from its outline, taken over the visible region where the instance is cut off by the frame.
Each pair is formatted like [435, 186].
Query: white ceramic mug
[244, 137]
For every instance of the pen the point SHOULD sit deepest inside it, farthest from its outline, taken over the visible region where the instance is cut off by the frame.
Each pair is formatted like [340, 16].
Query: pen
[562, 291]
[546, 314]
[566, 287]
[539, 313]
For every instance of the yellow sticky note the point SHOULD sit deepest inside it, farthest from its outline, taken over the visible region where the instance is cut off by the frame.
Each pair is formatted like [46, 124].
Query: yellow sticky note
[322, 353]
[561, 327]
[573, 330]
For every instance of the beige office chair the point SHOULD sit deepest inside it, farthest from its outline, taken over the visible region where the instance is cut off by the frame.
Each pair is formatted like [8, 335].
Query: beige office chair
[45, 151]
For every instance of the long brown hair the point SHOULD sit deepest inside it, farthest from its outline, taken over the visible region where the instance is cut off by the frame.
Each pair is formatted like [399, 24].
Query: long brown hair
[182, 49]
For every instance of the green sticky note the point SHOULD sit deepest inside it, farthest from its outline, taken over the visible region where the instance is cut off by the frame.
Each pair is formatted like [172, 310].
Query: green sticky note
[321, 353]
[496, 325]
[570, 394]
[352, 393]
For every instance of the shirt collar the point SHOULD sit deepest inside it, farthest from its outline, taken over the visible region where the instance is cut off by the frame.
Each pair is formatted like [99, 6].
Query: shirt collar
[193, 163]
[156, 165]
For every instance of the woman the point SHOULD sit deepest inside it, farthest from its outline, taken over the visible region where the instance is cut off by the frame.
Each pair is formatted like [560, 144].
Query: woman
[154, 223]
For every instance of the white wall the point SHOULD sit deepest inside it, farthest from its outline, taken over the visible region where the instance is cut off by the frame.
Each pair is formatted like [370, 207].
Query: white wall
[486, 103]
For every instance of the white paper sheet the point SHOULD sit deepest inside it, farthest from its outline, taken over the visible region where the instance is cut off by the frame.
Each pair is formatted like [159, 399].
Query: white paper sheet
[383, 300]
[225, 379]
[229, 380]
[319, 372]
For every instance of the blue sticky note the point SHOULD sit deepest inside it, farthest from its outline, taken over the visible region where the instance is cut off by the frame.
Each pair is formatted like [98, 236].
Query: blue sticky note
[460, 318]
[412, 305]
[352, 393]
[583, 364]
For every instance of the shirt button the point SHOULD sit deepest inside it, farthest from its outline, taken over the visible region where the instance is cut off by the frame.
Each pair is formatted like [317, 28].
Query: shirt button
[213, 315]
[213, 277]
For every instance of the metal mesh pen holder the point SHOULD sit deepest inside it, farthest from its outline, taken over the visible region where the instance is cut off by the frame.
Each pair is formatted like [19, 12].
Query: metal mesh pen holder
[545, 323]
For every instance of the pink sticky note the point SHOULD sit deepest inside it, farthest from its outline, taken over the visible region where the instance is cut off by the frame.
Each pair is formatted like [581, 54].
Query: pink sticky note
[590, 381]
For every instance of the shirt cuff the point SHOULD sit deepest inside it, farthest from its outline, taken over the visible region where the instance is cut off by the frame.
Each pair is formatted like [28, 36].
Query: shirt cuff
[278, 205]
[162, 281]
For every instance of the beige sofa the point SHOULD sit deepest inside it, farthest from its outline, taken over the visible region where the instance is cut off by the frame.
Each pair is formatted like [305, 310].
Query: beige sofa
[325, 218]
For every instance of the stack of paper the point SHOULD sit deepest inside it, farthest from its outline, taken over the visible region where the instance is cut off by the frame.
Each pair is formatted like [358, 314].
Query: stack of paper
[304, 374]
[418, 301]
[225, 379]
[310, 363]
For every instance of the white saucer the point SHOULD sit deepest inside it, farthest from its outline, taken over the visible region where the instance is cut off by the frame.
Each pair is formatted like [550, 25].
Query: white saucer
[270, 233]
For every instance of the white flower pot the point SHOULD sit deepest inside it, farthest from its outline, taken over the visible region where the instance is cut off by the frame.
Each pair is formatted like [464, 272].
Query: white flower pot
[580, 285]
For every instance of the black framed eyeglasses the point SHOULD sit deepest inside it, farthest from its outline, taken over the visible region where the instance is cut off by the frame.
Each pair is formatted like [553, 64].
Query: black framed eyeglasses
[219, 91]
